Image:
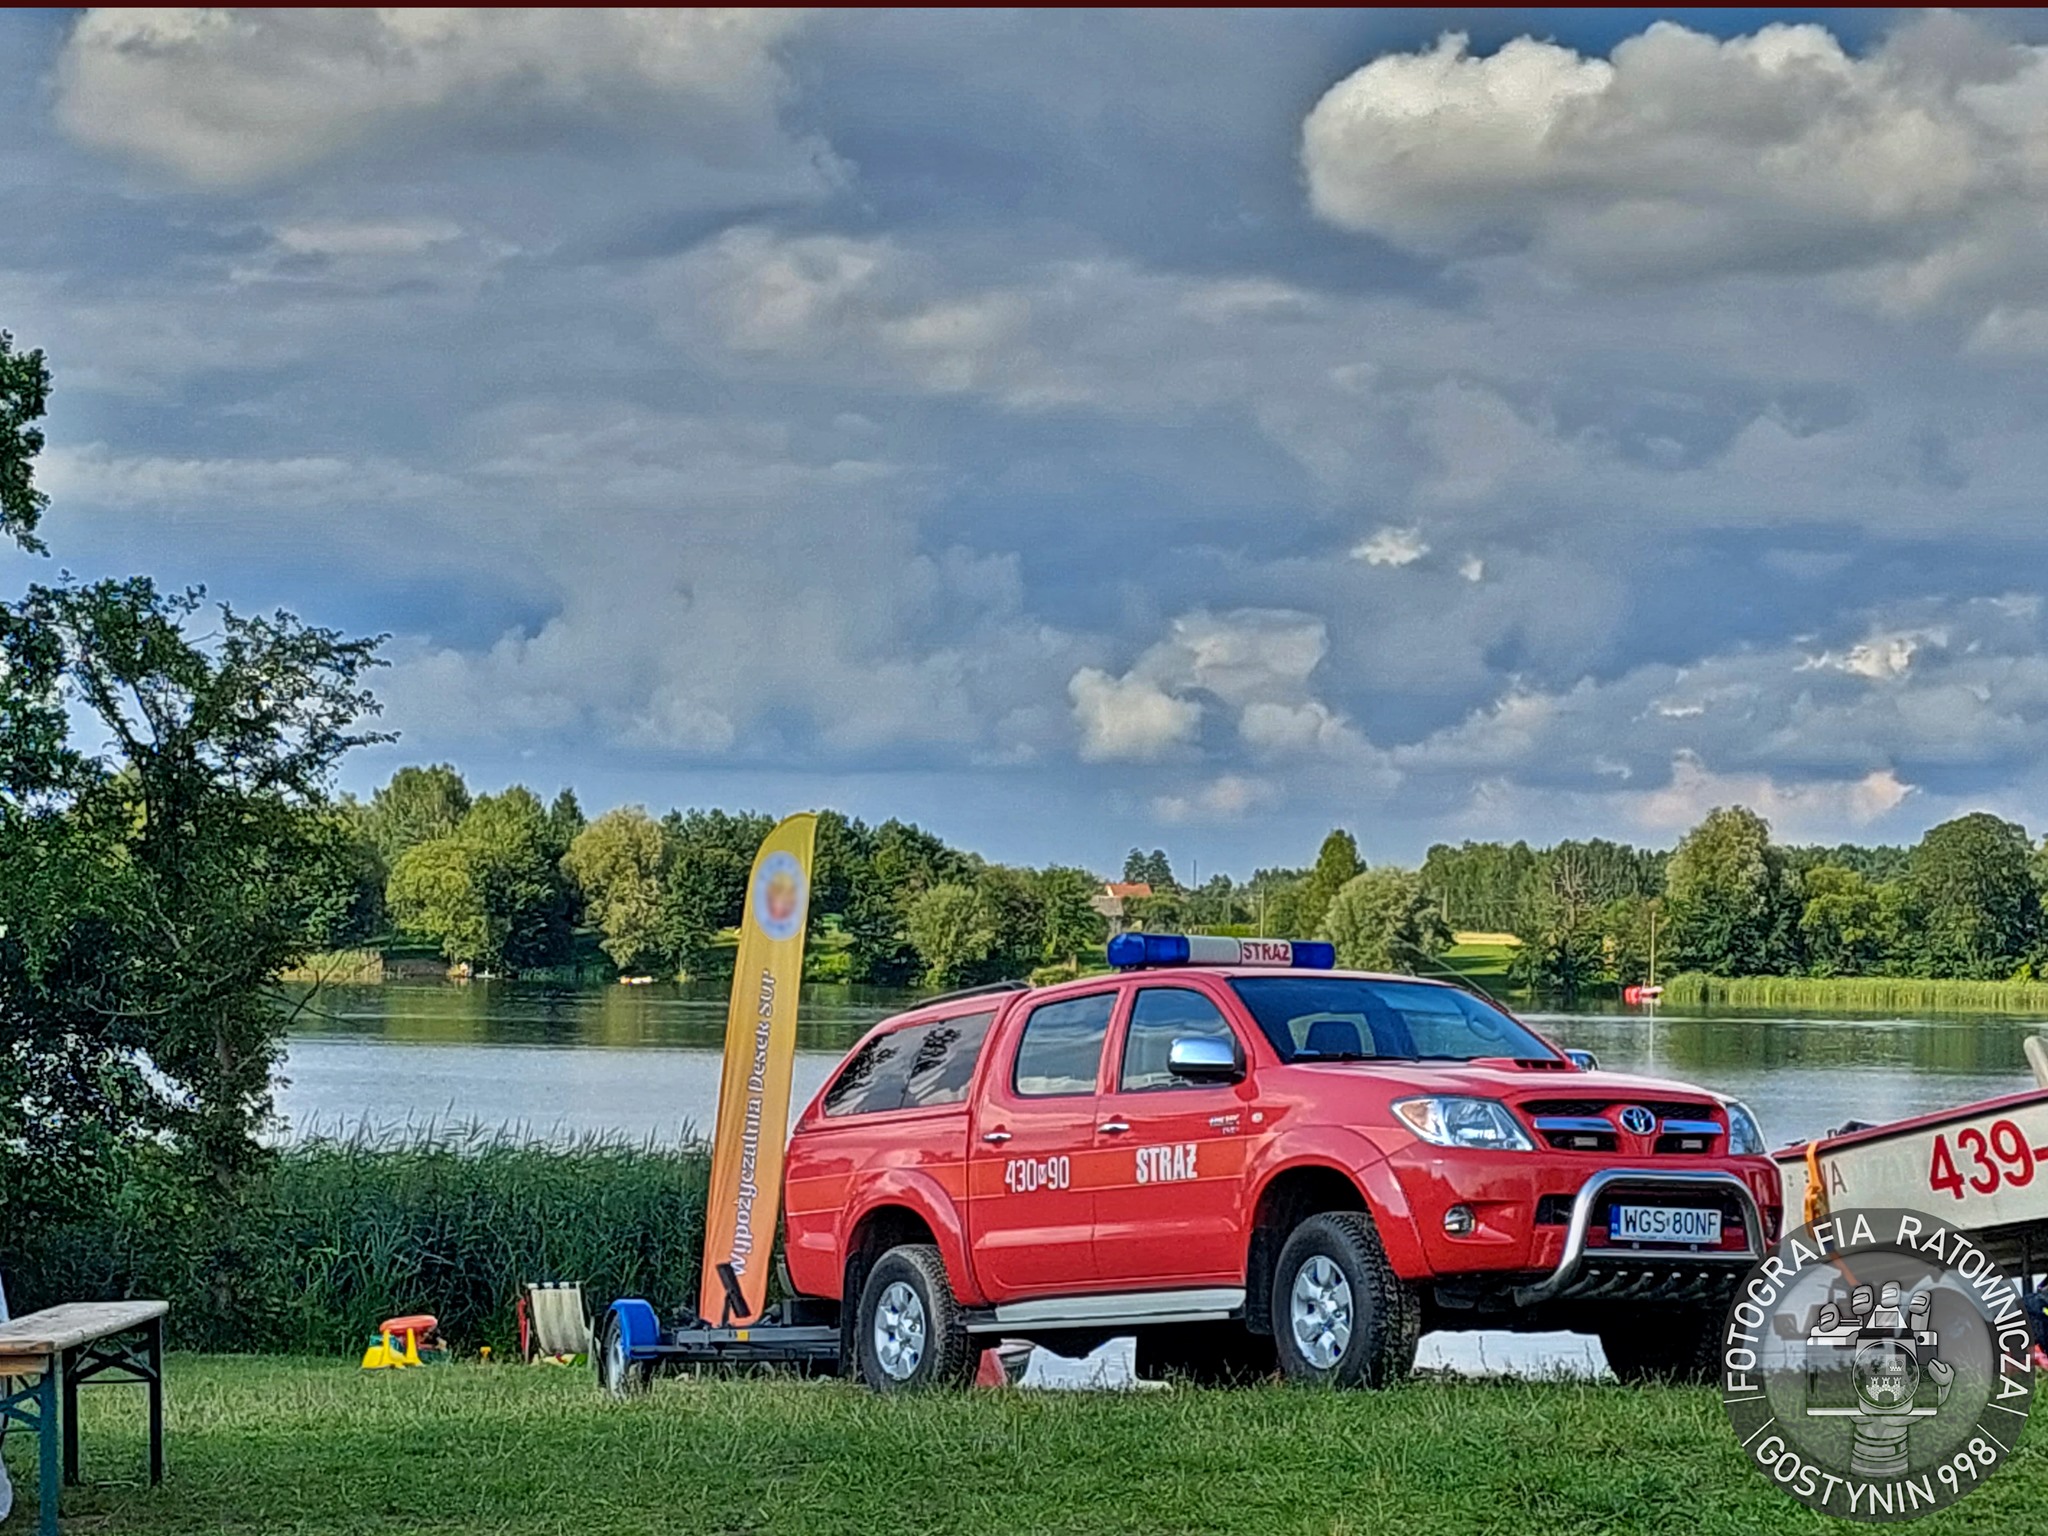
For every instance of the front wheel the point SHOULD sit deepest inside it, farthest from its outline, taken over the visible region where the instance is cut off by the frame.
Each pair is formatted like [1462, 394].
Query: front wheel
[618, 1374]
[1341, 1317]
[1646, 1345]
[910, 1332]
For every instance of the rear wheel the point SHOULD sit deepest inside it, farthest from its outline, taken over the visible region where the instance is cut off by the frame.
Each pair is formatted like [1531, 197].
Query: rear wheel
[910, 1332]
[1645, 1344]
[1205, 1354]
[618, 1374]
[1341, 1317]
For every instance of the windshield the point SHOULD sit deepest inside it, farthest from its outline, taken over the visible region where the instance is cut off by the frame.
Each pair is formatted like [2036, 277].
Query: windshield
[1347, 1018]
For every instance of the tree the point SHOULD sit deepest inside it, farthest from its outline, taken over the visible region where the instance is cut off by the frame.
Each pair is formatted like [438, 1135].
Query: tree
[618, 861]
[158, 885]
[24, 396]
[489, 893]
[1563, 949]
[1153, 869]
[1383, 920]
[565, 820]
[1337, 864]
[1016, 918]
[709, 856]
[418, 805]
[1972, 885]
[1842, 924]
[953, 932]
[1734, 906]
[1070, 925]
[346, 884]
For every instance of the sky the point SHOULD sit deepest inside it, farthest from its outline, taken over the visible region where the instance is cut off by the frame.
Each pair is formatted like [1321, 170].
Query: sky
[1072, 431]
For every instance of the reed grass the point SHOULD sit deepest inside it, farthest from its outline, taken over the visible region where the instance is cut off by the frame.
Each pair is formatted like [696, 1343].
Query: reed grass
[340, 1233]
[1861, 994]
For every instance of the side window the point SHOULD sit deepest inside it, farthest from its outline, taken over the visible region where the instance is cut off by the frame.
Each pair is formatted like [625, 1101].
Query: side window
[873, 1079]
[1161, 1016]
[1062, 1046]
[943, 1063]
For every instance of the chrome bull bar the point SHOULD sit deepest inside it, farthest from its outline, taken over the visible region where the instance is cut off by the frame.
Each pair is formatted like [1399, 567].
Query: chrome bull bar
[1650, 1181]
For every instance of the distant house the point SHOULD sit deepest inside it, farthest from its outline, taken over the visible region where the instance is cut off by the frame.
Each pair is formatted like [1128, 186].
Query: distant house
[1110, 901]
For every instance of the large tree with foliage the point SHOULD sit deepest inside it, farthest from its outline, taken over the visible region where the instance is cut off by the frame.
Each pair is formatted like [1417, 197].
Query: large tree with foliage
[1733, 903]
[416, 806]
[619, 863]
[1978, 910]
[159, 884]
[954, 933]
[490, 893]
[1337, 865]
[1383, 920]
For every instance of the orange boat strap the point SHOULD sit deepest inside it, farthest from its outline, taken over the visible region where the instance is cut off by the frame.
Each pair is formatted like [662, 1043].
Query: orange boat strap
[1816, 1189]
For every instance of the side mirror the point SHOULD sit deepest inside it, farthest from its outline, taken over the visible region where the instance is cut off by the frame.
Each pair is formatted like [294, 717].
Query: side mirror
[1204, 1059]
[1585, 1061]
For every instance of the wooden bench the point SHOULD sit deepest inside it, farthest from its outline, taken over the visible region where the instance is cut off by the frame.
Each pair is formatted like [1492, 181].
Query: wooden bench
[64, 1348]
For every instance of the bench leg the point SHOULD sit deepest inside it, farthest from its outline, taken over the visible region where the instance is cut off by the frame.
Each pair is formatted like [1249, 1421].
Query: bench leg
[48, 1452]
[156, 1401]
[69, 1389]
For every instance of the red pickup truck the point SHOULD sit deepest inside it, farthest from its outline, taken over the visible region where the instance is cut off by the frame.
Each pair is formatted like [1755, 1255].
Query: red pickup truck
[1250, 1160]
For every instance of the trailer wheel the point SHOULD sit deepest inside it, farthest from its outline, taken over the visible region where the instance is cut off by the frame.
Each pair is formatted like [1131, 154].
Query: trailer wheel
[1205, 1354]
[910, 1332]
[1341, 1317]
[1647, 1344]
[618, 1375]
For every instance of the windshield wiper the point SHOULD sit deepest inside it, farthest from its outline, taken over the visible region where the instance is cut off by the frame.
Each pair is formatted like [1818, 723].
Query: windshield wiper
[1345, 1056]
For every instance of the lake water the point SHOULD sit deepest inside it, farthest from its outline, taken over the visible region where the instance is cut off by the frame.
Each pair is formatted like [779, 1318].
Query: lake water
[644, 1062]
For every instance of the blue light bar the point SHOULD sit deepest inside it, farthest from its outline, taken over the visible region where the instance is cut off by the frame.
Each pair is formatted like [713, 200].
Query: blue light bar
[1130, 951]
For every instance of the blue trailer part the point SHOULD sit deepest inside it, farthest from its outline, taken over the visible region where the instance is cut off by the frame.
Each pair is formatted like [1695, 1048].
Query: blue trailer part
[635, 1346]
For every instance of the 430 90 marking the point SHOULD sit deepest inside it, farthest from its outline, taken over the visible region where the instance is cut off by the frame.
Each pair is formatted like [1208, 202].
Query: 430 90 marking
[1022, 1175]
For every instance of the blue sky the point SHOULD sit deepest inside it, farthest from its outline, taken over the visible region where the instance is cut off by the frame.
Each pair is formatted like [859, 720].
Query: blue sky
[1071, 431]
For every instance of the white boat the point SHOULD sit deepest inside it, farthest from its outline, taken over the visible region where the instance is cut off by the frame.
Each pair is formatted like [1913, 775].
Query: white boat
[1982, 1168]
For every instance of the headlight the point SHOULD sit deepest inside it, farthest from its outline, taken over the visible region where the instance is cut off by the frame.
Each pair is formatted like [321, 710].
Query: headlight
[1745, 1136]
[1448, 1122]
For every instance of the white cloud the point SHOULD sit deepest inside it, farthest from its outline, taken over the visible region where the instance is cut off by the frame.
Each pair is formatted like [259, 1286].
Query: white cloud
[1124, 718]
[225, 97]
[93, 475]
[1391, 546]
[1684, 154]
[1293, 729]
[1794, 809]
[1879, 658]
[1225, 798]
[1472, 568]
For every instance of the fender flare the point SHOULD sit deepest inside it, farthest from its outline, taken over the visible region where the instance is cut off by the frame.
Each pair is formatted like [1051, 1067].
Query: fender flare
[1356, 1157]
[921, 1194]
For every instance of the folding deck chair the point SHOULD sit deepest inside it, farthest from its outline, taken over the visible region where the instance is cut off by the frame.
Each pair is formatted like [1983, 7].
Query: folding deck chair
[552, 1321]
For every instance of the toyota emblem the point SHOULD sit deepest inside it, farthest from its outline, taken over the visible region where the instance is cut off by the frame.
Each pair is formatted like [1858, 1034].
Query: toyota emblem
[1638, 1121]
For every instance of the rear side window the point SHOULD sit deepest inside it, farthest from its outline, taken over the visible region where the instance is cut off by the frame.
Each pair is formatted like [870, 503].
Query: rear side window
[943, 1063]
[910, 1068]
[1062, 1046]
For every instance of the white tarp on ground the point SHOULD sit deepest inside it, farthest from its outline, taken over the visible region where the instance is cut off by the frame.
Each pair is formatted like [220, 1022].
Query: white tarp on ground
[1466, 1354]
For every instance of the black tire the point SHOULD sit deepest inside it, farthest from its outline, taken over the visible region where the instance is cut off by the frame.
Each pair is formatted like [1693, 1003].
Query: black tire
[1372, 1343]
[616, 1375]
[1205, 1354]
[1648, 1344]
[928, 1344]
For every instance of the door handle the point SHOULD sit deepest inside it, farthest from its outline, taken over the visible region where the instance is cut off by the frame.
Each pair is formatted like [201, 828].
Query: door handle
[1114, 1127]
[995, 1137]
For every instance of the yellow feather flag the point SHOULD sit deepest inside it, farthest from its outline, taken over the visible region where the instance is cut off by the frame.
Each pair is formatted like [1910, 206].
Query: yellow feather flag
[753, 1094]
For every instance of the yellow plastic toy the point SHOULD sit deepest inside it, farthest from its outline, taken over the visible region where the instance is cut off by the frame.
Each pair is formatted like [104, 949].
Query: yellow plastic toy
[387, 1355]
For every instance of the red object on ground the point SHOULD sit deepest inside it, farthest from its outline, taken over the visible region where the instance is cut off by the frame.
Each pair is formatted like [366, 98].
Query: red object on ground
[419, 1324]
[991, 1372]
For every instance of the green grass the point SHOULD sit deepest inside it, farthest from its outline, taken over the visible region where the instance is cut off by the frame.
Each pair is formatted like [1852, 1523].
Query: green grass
[1886, 995]
[305, 1447]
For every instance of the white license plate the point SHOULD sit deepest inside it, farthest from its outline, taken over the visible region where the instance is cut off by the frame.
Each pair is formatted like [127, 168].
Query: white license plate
[1664, 1224]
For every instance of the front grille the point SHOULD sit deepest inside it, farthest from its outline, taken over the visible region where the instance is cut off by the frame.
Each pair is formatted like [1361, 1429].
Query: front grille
[1663, 1109]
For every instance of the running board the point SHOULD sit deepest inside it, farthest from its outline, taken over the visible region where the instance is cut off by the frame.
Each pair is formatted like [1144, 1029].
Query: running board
[1114, 1310]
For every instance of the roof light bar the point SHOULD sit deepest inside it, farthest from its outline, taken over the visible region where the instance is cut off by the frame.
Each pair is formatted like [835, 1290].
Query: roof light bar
[1129, 951]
